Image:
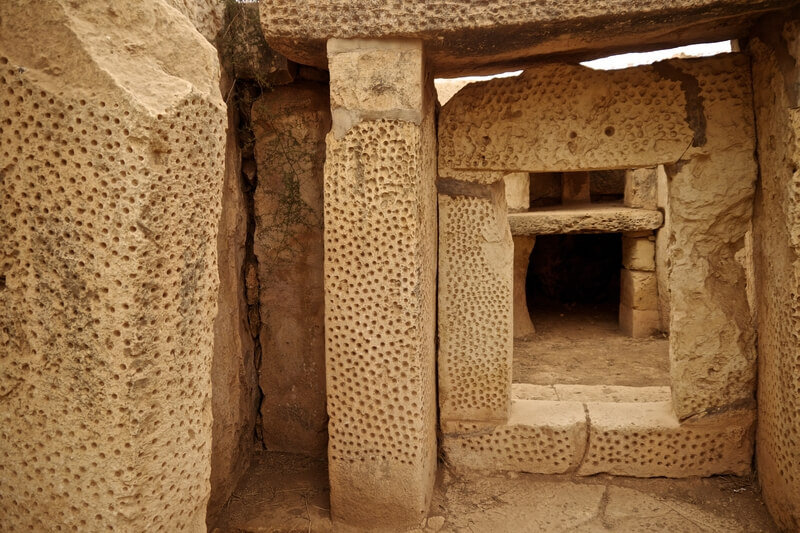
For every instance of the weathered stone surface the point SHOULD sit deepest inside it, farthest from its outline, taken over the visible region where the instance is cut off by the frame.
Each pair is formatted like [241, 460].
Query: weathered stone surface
[662, 247]
[112, 157]
[463, 36]
[476, 254]
[518, 191]
[246, 54]
[712, 339]
[290, 124]
[380, 307]
[590, 393]
[646, 440]
[206, 15]
[639, 253]
[540, 436]
[638, 290]
[234, 386]
[596, 218]
[566, 118]
[640, 188]
[638, 323]
[776, 227]
[523, 246]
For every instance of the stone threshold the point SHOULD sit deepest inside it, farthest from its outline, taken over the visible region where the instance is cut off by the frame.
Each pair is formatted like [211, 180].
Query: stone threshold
[629, 438]
[587, 218]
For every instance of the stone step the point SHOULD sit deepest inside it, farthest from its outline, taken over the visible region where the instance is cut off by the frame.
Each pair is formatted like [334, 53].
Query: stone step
[589, 218]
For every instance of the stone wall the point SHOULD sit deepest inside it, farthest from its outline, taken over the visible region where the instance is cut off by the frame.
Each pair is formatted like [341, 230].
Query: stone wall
[111, 167]
[290, 124]
[776, 227]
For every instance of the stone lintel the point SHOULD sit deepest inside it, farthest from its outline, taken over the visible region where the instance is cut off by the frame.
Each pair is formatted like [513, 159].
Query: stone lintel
[587, 219]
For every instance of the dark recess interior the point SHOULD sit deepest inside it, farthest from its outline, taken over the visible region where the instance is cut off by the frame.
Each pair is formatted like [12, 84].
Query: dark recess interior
[575, 273]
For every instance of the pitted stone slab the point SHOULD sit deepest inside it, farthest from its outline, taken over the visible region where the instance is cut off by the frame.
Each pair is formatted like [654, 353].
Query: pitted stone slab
[586, 219]
[463, 35]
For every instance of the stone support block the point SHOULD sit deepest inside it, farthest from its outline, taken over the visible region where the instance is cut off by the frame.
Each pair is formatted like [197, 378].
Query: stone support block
[518, 191]
[712, 336]
[646, 440]
[290, 124]
[523, 246]
[545, 437]
[380, 285]
[584, 219]
[575, 188]
[640, 188]
[639, 290]
[476, 254]
[113, 153]
[638, 323]
[639, 253]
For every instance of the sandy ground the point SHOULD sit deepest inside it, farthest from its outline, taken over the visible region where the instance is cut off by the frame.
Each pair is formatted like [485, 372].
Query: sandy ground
[584, 346]
[285, 493]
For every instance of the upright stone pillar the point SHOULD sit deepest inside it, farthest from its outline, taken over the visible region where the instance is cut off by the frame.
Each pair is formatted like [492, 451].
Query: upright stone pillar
[380, 284]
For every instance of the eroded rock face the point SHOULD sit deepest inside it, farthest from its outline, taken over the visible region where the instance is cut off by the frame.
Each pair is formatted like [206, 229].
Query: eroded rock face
[111, 166]
[777, 267]
[464, 35]
[290, 124]
[207, 16]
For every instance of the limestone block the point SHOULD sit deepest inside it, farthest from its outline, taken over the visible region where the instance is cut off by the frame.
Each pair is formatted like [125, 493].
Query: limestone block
[379, 79]
[639, 290]
[638, 323]
[518, 191]
[575, 188]
[639, 253]
[532, 122]
[542, 437]
[584, 219]
[662, 248]
[523, 246]
[244, 51]
[640, 188]
[712, 338]
[476, 254]
[589, 393]
[380, 290]
[206, 15]
[776, 228]
[234, 384]
[112, 147]
[290, 124]
[465, 36]
[646, 440]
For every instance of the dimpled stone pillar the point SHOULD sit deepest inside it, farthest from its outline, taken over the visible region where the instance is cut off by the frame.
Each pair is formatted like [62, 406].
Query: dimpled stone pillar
[112, 135]
[380, 284]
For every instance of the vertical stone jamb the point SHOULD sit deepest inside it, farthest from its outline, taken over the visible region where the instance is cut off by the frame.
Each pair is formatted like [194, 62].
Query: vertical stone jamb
[523, 246]
[380, 283]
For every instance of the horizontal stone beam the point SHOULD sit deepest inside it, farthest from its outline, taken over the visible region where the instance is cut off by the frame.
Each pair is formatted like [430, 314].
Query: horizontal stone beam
[468, 37]
[588, 219]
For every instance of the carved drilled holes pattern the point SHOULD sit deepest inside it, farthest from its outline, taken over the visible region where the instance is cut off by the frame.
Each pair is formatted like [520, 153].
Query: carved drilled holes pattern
[109, 219]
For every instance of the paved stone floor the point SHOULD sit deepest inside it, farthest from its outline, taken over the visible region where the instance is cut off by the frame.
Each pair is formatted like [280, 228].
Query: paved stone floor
[284, 493]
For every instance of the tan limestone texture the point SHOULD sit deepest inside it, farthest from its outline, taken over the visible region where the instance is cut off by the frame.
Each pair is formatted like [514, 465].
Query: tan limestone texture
[112, 135]
[574, 432]
[712, 338]
[523, 246]
[639, 253]
[564, 118]
[207, 16]
[290, 124]
[518, 191]
[646, 440]
[476, 258]
[234, 387]
[463, 35]
[776, 227]
[662, 258]
[640, 188]
[380, 291]
[592, 218]
[546, 437]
